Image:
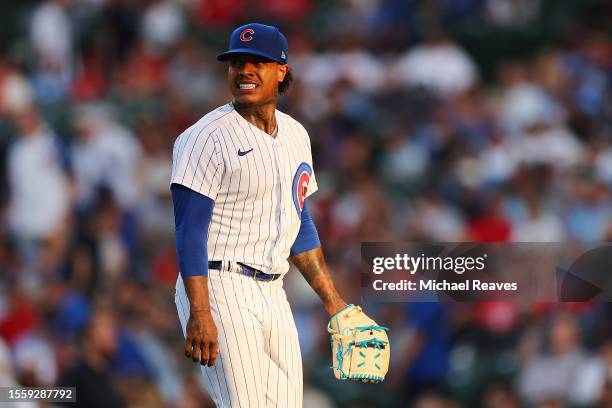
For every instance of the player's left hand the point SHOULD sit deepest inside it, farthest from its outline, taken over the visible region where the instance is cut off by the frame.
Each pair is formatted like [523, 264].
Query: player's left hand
[360, 347]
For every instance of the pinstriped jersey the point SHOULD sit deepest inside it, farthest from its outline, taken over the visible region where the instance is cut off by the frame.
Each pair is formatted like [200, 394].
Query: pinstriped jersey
[258, 184]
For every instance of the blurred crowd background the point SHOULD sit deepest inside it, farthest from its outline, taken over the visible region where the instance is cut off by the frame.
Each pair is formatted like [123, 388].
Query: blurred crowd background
[443, 120]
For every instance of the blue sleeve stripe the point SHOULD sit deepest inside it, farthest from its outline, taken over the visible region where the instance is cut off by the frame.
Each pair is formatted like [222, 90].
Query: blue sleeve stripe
[192, 215]
[308, 237]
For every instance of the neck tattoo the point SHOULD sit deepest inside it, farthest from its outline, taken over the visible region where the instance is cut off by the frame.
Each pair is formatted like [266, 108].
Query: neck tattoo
[237, 107]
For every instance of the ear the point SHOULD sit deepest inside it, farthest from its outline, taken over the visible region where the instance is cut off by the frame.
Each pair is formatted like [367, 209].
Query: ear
[282, 71]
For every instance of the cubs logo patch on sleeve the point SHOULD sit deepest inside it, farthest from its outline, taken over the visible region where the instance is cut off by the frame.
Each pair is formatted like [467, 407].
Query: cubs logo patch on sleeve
[300, 186]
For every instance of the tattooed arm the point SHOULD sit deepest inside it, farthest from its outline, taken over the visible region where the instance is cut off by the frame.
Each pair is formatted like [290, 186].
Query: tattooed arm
[313, 267]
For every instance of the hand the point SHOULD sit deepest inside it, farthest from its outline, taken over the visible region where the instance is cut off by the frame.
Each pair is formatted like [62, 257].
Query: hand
[202, 344]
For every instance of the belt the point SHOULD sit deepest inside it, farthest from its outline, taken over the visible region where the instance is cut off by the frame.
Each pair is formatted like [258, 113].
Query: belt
[247, 271]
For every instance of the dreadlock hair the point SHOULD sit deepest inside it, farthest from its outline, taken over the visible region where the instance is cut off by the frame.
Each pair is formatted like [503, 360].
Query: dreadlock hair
[284, 86]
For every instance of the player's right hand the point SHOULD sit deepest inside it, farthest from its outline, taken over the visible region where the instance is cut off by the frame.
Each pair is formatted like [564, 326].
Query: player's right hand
[201, 344]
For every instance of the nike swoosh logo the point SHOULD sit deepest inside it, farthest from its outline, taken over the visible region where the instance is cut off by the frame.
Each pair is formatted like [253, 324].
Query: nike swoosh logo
[241, 153]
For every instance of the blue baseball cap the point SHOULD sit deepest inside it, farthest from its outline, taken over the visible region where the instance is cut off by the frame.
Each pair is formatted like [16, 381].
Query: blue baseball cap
[257, 39]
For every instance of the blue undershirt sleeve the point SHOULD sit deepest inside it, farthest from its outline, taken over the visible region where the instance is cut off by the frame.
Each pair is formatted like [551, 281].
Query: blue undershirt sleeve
[308, 237]
[192, 215]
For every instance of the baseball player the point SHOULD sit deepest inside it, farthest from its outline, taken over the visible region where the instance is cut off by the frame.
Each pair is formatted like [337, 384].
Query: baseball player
[241, 177]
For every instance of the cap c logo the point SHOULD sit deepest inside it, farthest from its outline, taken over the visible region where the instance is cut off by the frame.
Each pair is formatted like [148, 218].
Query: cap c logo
[247, 34]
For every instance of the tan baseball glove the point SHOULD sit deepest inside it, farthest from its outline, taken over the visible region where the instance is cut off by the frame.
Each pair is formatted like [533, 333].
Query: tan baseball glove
[360, 347]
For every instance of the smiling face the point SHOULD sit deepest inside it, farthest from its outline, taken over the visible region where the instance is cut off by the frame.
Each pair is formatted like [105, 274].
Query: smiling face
[254, 80]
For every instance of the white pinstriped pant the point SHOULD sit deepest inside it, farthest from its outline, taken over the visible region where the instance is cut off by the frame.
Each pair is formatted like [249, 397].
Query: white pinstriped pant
[260, 364]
